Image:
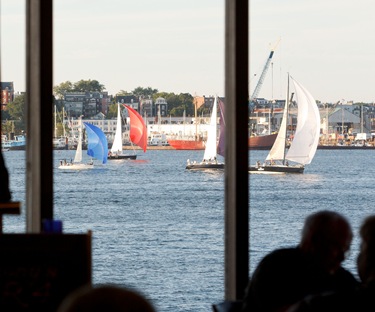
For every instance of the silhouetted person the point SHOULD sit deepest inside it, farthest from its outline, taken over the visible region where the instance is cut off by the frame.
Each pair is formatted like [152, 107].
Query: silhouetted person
[105, 298]
[4, 178]
[360, 300]
[287, 275]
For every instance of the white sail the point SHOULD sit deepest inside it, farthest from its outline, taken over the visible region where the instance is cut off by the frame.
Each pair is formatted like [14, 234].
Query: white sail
[78, 156]
[117, 142]
[277, 151]
[306, 137]
[210, 151]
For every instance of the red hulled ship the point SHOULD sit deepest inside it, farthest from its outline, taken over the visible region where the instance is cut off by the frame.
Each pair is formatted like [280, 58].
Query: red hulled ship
[262, 141]
[187, 144]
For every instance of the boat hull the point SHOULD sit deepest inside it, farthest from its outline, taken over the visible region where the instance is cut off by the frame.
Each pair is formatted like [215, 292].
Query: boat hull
[205, 166]
[76, 166]
[262, 141]
[119, 157]
[345, 147]
[187, 144]
[276, 169]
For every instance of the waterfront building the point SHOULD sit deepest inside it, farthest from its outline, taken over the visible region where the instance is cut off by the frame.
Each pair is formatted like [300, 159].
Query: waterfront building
[161, 107]
[7, 94]
[87, 104]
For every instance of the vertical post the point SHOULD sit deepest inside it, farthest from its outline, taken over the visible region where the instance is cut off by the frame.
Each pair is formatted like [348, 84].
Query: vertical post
[327, 135]
[39, 102]
[236, 154]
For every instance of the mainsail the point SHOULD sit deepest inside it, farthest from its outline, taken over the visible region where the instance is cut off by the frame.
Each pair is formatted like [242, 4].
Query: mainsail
[78, 156]
[117, 142]
[138, 130]
[210, 151]
[277, 151]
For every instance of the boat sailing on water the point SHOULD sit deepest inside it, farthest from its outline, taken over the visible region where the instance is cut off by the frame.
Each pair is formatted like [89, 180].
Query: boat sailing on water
[306, 138]
[212, 148]
[97, 148]
[138, 134]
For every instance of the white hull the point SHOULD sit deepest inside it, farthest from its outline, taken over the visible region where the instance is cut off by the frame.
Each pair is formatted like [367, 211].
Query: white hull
[76, 166]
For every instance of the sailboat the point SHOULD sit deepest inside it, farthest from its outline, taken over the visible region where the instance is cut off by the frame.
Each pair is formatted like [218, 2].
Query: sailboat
[138, 130]
[97, 148]
[116, 151]
[306, 138]
[210, 153]
[189, 142]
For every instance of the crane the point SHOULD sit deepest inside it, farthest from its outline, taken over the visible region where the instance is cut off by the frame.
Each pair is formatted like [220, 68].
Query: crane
[263, 75]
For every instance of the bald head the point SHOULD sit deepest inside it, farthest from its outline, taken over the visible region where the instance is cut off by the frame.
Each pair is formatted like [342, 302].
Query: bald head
[326, 237]
[366, 257]
[105, 298]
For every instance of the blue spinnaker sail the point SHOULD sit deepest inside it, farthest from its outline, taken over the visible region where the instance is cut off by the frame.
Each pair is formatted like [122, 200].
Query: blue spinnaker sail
[97, 146]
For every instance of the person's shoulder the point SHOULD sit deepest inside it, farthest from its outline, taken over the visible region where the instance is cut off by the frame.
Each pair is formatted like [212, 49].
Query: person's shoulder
[284, 252]
[345, 277]
[281, 256]
[327, 302]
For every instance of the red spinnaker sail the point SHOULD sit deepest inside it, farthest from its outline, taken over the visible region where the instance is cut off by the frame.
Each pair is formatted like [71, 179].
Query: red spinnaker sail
[138, 131]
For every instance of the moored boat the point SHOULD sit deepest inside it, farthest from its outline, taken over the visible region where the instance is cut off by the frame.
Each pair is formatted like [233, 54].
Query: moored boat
[262, 141]
[188, 144]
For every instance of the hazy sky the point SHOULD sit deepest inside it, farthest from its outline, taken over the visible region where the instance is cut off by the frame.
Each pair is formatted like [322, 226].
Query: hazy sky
[178, 46]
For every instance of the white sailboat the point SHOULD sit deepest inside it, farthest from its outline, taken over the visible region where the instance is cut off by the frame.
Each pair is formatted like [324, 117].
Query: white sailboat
[116, 151]
[210, 153]
[97, 148]
[306, 138]
[77, 164]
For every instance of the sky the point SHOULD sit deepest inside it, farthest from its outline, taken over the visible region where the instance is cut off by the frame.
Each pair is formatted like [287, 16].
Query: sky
[178, 46]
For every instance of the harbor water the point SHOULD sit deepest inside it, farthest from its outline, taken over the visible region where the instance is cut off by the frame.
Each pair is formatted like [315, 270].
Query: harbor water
[159, 228]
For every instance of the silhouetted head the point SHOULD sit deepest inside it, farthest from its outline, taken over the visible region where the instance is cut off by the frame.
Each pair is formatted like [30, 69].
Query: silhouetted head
[105, 298]
[326, 237]
[366, 256]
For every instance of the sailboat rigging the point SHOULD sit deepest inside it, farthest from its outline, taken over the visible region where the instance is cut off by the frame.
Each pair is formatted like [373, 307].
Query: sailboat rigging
[210, 154]
[138, 130]
[97, 148]
[306, 138]
[116, 151]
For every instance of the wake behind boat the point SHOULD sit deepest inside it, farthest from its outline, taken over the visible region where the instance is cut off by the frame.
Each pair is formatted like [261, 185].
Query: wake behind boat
[305, 141]
[210, 161]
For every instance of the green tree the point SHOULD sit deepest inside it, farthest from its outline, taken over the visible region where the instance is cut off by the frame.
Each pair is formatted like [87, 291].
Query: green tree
[122, 93]
[59, 90]
[16, 111]
[145, 92]
[79, 86]
[88, 86]
[6, 127]
[112, 111]
[5, 115]
[177, 103]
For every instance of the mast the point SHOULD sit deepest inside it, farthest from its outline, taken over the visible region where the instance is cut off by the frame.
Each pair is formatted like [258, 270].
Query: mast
[63, 121]
[287, 117]
[196, 121]
[55, 129]
[269, 121]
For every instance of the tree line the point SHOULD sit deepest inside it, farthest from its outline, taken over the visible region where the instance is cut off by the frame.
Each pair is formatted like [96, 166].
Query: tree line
[13, 118]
